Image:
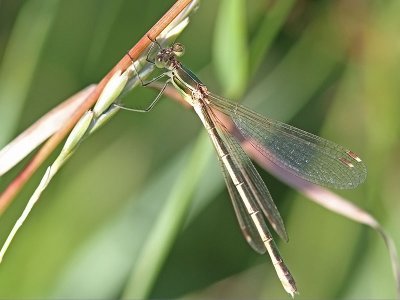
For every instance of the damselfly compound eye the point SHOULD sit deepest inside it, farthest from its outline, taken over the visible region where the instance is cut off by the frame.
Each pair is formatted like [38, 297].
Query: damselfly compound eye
[159, 62]
[178, 49]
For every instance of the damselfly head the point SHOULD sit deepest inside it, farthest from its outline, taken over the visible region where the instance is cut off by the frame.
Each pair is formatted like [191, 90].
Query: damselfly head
[167, 57]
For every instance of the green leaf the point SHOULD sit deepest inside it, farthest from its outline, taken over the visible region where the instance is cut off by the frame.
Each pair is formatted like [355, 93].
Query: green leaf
[167, 225]
[269, 28]
[230, 47]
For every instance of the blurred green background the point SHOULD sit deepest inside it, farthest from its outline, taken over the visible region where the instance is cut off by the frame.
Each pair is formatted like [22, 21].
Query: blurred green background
[141, 208]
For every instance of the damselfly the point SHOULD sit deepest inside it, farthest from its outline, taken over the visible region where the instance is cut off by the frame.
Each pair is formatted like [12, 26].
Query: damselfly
[303, 154]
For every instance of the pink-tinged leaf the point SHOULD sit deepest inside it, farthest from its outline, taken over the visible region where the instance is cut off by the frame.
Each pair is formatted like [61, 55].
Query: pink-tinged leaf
[41, 130]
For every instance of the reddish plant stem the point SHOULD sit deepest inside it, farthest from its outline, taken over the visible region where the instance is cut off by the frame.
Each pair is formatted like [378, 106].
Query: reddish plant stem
[16, 185]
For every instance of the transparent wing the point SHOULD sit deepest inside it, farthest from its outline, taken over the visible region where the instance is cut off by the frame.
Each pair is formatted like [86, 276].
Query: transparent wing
[253, 223]
[259, 196]
[303, 154]
[246, 224]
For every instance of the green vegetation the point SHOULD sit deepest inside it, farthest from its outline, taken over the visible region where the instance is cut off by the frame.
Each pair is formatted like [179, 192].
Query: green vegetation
[329, 67]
